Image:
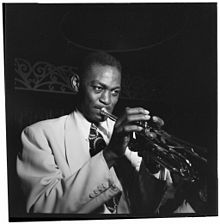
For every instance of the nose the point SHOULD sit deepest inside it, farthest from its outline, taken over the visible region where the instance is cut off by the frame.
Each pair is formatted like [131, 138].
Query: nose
[106, 98]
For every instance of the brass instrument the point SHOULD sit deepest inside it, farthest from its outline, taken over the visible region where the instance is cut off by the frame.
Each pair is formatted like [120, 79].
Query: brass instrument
[178, 156]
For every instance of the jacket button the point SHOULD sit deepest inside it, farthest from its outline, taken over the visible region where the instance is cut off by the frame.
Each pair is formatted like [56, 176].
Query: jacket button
[95, 192]
[104, 186]
[114, 187]
[101, 188]
[91, 195]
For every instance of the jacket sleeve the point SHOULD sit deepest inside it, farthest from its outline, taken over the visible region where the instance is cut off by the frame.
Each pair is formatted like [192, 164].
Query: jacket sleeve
[48, 191]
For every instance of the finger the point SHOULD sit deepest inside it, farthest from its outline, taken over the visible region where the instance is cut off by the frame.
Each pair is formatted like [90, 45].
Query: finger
[132, 128]
[132, 117]
[120, 121]
[138, 117]
[158, 120]
[136, 110]
[125, 120]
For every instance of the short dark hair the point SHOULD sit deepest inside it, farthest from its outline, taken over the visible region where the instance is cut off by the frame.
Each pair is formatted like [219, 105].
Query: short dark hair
[100, 58]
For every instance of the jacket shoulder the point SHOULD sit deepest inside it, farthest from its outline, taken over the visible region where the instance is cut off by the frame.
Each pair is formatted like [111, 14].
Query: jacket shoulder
[48, 124]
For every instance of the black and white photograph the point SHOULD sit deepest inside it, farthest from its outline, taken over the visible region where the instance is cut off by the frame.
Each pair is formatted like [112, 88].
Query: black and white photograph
[111, 110]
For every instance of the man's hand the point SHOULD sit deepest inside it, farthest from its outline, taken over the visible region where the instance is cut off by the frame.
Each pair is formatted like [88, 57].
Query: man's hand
[124, 126]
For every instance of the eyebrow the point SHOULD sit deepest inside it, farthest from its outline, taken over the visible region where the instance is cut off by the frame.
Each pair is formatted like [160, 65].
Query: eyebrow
[103, 85]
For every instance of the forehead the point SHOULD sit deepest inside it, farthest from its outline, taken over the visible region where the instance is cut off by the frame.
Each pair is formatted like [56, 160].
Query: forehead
[106, 74]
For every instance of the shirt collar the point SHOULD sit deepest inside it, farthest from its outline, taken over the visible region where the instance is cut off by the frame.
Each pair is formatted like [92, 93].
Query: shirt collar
[105, 127]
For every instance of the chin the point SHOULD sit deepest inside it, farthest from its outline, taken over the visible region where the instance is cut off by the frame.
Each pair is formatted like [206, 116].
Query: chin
[96, 119]
[100, 118]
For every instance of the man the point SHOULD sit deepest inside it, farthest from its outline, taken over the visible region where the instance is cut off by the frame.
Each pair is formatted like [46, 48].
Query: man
[58, 170]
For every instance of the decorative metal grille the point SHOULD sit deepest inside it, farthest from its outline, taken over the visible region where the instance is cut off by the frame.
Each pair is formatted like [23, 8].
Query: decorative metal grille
[43, 76]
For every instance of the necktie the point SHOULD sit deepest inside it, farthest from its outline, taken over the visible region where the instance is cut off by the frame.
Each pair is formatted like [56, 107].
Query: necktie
[97, 144]
[96, 141]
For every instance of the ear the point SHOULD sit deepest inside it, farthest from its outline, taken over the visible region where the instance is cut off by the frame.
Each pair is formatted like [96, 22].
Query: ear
[75, 83]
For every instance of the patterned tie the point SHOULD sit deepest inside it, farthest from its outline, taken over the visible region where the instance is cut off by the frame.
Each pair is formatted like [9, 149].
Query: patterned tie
[97, 144]
[96, 141]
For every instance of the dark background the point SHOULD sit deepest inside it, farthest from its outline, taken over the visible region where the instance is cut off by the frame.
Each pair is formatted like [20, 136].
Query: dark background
[169, 50]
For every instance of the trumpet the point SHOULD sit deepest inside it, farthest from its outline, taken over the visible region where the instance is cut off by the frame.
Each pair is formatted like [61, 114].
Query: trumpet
[178, 156]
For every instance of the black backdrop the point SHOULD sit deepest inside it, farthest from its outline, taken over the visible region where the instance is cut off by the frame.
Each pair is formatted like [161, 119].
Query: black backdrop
[174, 46]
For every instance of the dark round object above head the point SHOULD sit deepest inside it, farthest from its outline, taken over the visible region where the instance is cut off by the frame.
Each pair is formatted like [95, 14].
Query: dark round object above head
[122, 27]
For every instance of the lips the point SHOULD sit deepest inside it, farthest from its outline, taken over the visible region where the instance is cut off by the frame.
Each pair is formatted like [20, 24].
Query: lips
[98, 109]
[106, 109]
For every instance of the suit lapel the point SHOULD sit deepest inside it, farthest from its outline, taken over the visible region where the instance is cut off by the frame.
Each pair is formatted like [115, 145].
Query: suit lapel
[77, 153]
[76, 146]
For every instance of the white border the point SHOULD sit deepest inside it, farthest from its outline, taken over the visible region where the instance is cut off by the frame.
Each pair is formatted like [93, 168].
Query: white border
[3, 158]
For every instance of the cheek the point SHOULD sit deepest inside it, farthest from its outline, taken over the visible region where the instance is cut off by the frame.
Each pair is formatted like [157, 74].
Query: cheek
[91, 98]
[114, 101]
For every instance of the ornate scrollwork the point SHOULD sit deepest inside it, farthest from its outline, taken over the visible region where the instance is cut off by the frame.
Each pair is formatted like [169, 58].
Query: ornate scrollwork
[43, 76]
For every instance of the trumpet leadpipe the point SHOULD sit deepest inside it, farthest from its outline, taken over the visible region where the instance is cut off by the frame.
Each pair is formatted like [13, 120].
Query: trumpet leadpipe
[110, 116]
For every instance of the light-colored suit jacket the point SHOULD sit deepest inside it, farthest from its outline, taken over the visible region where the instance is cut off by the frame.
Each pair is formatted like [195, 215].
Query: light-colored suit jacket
[57, 173]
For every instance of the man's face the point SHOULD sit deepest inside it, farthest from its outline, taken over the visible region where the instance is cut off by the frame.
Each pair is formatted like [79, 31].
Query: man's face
[99, 88]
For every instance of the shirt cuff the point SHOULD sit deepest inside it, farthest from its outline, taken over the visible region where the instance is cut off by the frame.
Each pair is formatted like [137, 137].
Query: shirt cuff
[133, 158]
